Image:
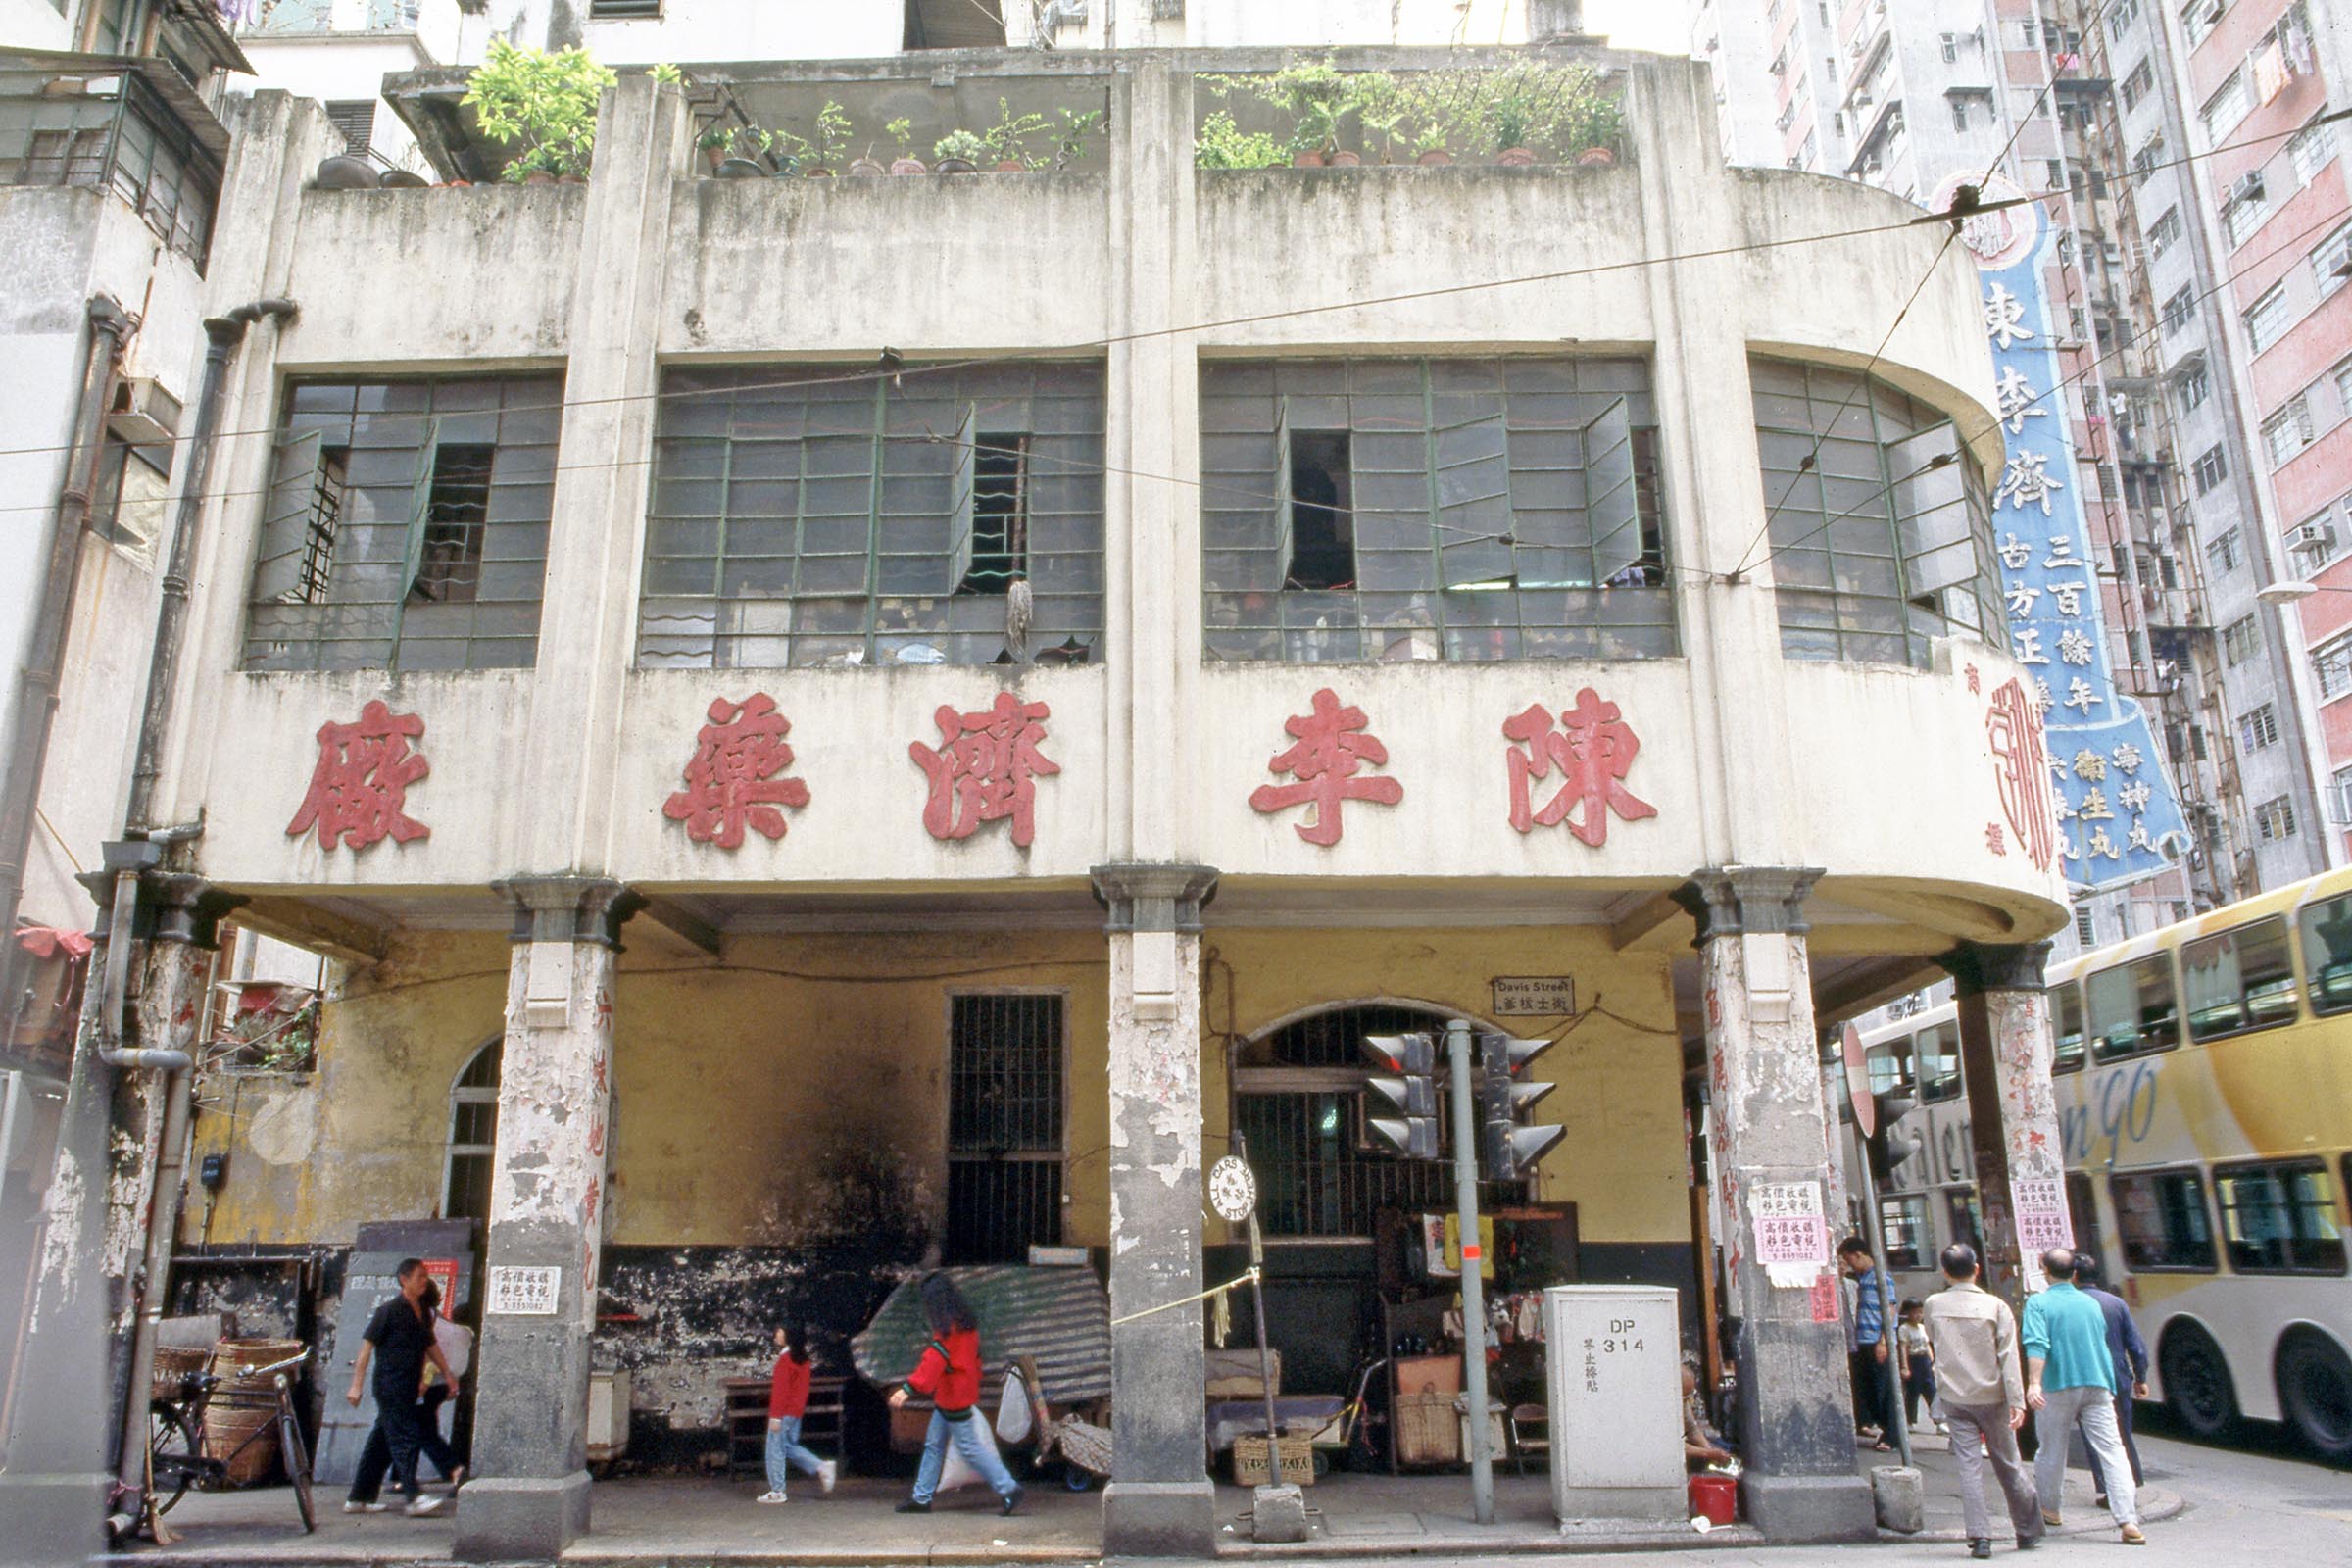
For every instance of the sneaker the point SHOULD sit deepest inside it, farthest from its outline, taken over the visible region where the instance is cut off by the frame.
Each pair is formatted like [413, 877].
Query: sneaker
[769, 1497]
[1980, 1546]
[2132, 1537]
[1012, 1502]
[353, 1505]
[827, 1472]
[912, 1506]
[423, 1508]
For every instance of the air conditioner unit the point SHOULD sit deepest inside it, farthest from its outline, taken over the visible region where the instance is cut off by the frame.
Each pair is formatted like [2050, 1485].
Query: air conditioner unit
[142, 414]
[2320, 536]
[2248, 189]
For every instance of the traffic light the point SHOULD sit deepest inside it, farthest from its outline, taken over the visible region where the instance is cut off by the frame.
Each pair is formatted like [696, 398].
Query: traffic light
[1508, 1149]
[1410, 1086]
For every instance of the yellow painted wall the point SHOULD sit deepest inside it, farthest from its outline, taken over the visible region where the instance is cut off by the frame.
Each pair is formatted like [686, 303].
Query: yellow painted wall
[744, 1085]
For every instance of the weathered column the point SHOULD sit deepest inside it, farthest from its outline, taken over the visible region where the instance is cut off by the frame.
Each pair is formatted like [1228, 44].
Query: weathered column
[1159, 1501]
[2019, 1157]
[1769, 1137]
[530, 1446]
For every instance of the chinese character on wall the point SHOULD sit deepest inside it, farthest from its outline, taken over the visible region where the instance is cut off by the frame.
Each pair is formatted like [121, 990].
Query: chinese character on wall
[731, 781]
[359, 786]
[1591, 750]
[1333, 745]
[983, 768]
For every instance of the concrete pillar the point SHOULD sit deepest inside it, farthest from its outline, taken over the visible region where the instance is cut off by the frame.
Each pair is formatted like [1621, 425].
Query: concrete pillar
[1768, 1127]
[546, 1222]
[1159, 1501]
[74, 1369]
[2005, 1052]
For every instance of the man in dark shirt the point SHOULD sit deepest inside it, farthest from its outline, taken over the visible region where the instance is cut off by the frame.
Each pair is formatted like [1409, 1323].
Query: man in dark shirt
[2129, 1354]
[399, 1339]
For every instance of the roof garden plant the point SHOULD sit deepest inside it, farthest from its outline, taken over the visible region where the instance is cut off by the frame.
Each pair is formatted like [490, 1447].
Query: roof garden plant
[540, 102]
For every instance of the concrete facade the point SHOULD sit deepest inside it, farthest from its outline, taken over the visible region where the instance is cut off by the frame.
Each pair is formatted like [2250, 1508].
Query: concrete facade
[1173, 916]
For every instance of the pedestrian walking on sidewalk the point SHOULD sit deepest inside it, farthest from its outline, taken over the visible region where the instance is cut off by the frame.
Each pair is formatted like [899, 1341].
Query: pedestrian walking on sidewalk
[949, 1375]
[1867, 1351]
[1919, 1364]
[2070, 1377]
[1981, 1398]
[787, 1404]
[399, 1341]
[456, 1353]
[2129, 1353]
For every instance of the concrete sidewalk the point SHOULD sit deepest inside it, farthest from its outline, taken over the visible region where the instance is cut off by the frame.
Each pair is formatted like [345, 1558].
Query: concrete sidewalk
[1931, 1452]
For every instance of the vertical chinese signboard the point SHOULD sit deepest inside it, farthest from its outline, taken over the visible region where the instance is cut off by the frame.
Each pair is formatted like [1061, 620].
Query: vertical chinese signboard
[2117, 816]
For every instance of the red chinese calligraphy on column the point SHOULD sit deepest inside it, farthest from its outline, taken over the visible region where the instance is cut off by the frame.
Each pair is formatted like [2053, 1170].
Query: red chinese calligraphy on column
[1333, 745]
[983, 768]
[1592, 751]
[732, 779]
[359, 786]
[2021, 771]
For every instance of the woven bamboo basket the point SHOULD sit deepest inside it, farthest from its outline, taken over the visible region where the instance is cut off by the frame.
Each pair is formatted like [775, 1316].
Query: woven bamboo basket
[242, 1405]
[173, 1363]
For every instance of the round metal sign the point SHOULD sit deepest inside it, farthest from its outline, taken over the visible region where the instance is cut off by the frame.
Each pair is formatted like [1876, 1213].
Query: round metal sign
[1231, 1189]
[1857, 1083]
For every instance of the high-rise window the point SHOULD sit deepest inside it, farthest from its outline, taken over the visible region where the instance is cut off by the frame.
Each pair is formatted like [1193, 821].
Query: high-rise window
[2228, 105]
[2164, 233]
[2211, 469]
[2267, 317]
[2179, 309]
[2258, 729]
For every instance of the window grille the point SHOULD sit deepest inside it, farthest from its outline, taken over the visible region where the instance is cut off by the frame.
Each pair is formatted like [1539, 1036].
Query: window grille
[2267, 318]
[799, 517]
[1004, 1127]
[472, 1135]
[2259, 728]
[1396, 509]
[129, 141]
[1886, 542]
[405, 526]
[355, 119]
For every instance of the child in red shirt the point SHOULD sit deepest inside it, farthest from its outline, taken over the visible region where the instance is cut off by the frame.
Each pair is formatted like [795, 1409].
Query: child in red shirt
[949, 1374]
[787, 1403]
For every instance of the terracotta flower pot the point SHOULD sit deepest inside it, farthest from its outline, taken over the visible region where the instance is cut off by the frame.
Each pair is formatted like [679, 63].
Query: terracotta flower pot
[539, 177]
[1596, 157]
[402, 179]
[955, 165]
[1306, 160]
[1515, 157]
[1343, 159]
[1434, 157]
[867, 168]
[1009, 166]
[909, 165]
[571, 179]
[817, 171]
[714, 157]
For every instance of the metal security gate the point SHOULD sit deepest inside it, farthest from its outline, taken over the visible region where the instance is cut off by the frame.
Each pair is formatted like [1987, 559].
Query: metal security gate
[1005, 1119]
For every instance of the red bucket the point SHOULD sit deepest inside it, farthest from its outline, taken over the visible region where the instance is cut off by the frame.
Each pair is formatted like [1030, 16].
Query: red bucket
[1715, 1499]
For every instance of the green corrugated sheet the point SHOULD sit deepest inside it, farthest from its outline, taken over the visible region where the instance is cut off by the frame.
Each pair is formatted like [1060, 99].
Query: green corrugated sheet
[1060, 1316]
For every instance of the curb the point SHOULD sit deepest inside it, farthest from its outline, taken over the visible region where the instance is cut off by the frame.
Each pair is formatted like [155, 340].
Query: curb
[2156, 1504]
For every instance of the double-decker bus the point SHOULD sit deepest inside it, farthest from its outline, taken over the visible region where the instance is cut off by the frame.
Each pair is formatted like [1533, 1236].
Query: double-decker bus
[2204, 1086]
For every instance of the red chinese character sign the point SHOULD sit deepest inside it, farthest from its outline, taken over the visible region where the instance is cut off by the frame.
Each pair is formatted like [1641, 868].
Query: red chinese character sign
[984, 768]
[359, 786]
[1591, 750]
[2021, 771]
[1332, 747]
[731, 781]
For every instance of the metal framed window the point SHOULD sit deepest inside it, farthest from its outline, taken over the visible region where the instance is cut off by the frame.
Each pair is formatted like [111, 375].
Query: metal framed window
[1404, 509]
[2280, 1218]
[2331, 667]
[2241, 640]
[129, 141]
[1007, 1054]
[2326, 930]
[2267, 318]
[800, 516]
[472, 1135]
[2274, 819]
[2239, 980]
[1910, 1235]
[2212, 467]
[2164, 233]
[1881, 531]
[405, 526]
[2068, 1049]
[2133, 1009]
[2259, 728]
[2162, 1222]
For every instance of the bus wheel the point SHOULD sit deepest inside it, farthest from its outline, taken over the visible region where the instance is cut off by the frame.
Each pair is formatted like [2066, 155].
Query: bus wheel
[2197, 1382]
[2315, 1386]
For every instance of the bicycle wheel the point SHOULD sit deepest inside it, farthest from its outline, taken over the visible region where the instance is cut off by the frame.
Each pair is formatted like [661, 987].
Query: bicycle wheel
[298, 1460]
[172, 1452]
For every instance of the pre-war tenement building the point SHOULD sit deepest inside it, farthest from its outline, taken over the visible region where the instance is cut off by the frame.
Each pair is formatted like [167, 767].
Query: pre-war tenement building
[841, 722]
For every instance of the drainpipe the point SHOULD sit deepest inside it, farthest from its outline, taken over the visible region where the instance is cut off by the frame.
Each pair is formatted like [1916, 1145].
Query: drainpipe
[144, 849]
[43, 672]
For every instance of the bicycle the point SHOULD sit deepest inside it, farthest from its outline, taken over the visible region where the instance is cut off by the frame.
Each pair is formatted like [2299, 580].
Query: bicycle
[175, 1434]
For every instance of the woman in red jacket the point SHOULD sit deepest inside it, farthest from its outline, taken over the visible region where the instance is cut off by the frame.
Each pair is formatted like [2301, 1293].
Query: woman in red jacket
[787, 1403]
[949, 1375]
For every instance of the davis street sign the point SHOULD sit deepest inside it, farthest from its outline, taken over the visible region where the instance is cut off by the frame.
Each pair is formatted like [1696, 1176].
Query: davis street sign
[1857, 1084]
[1534, 995]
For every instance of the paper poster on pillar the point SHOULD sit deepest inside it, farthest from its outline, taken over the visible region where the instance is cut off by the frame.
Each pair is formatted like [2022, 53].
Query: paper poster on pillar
[1792, 1235]
[2041, 1218]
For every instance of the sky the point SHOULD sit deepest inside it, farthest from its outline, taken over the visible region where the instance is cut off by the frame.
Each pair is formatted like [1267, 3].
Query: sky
[1659, 24]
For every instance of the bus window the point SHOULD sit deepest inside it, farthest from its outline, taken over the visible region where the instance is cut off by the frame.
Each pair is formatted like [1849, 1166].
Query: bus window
[1910, 1244]
[2280, 1218]
[2083, 1213]
[2066, 1027]
[1940, 1061]
[2328, 952]
[2161, 1221]
[1890, 1066]
[1962, 1220]
[2239, 980]
[2131, 1009]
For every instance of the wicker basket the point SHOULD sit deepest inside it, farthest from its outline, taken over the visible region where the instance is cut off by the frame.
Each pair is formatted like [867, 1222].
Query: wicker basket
[1251, 1467]
[1427, 1431]
[244, 1404]
[173, 1363]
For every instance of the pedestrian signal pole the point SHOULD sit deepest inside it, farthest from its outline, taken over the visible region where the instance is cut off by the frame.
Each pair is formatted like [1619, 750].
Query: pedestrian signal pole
[1460, 1046]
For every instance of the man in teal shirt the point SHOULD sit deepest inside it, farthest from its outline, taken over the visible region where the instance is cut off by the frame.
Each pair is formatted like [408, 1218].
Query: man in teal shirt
[2070, 1377]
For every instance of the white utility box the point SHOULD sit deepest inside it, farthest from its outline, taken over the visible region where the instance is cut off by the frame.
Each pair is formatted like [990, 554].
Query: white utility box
[607, 1415]
[1613, 1366]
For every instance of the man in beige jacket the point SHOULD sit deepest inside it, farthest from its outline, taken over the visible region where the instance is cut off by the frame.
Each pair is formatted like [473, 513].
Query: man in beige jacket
[1981, 1394]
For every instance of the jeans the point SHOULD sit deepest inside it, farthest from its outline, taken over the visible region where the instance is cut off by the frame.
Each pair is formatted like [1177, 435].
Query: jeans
[430, 1443]
[2123, 1422]
[2094, 1407]
[977, 1445]
[785, 1453]
[393, 1446]
[1982, 1433]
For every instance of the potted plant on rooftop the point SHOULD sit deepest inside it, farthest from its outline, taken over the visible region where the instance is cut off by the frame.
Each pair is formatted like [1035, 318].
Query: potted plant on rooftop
[545, 102]
[901, 131]
[1070, 135]
[746, 144]
[1008, 139]
[958, 152]
[1223, 144]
